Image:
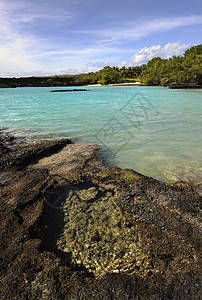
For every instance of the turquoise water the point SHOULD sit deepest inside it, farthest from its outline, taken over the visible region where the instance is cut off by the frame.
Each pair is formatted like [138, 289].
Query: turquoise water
[153, 130]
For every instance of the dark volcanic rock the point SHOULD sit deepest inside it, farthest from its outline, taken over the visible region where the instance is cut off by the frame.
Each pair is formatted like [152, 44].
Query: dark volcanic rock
[168, 216]
[5, 137]
[21, 154]
[3, 149]
[74, 90]
[184, 86]
[167, 219]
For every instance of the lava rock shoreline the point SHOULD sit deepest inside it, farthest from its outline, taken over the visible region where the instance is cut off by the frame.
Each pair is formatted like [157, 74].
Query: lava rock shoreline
[167, 218]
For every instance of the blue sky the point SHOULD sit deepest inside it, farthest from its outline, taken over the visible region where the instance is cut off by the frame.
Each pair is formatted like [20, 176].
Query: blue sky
[46, 37]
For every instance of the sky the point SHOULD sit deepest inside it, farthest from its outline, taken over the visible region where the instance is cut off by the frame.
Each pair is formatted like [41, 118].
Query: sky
[50, 37]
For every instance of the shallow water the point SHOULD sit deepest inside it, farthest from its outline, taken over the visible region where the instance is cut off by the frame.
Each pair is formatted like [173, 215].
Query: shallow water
[153, 130]
[98, 236]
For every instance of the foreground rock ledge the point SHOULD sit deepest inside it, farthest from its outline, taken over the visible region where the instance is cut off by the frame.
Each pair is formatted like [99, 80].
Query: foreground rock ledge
[167, 219]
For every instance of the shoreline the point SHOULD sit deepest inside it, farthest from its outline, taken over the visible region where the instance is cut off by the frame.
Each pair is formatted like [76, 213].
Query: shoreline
[170, 85]
[126, 84]
[26, 134]
[64, 215]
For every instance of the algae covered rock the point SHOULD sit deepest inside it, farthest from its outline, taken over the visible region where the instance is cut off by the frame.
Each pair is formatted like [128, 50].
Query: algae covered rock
[98, 236]
[72, 229]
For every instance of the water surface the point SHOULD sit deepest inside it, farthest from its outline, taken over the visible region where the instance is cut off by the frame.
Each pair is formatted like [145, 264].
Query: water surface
[153, 130]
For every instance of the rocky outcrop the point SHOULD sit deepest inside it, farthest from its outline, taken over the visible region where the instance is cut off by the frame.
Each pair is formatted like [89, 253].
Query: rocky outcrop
[20, 154]
[184, 86]
[73, 90]
[56, 198]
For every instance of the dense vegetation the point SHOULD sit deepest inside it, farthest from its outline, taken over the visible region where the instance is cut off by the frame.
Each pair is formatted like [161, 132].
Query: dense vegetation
[178, 70]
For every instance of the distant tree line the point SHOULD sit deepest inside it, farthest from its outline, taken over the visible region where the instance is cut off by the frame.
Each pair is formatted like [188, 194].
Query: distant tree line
[178, 70]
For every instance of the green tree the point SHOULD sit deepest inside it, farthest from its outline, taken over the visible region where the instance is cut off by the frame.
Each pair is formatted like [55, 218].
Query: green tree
[109, 75]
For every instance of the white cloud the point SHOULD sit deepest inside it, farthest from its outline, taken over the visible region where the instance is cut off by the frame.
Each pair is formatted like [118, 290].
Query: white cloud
[23, 12]
[142, 28]
[20, 50]
[148, 53]
[14, 47]
[24, 52]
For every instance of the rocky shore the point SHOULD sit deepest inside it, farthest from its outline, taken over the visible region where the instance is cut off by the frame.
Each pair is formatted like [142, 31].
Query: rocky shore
[73, 229]
[184, 86]
[73, 90]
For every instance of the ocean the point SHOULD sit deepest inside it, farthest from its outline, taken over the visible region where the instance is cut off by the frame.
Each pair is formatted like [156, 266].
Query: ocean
[154, 130]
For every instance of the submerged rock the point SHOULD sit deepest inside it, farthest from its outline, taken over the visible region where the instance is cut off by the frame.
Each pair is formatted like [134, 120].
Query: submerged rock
[72, 229]
[98, 236]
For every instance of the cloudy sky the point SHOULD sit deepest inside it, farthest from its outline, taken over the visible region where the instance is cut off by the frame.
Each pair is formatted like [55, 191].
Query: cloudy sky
[42, 37]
